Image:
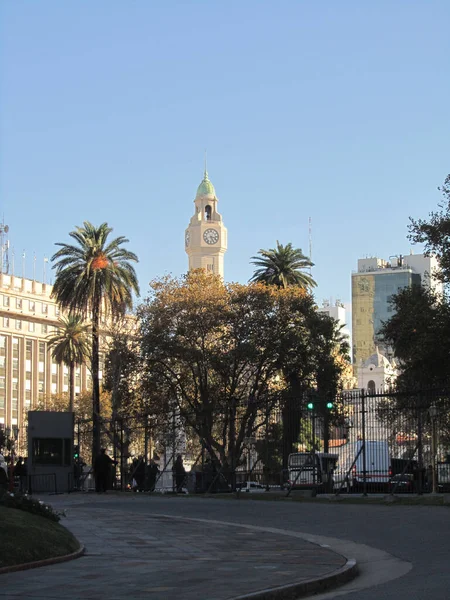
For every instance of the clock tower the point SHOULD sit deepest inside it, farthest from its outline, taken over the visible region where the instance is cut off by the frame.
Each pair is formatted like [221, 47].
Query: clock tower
[206, 236]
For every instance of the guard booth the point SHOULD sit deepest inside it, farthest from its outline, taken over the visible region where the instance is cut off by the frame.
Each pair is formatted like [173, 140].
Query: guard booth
[50, 451]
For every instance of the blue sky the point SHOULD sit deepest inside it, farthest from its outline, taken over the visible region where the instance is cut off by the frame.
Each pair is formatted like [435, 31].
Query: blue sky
[336, 111]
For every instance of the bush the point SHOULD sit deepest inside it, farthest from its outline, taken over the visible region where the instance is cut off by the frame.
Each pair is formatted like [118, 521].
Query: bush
[29, 504]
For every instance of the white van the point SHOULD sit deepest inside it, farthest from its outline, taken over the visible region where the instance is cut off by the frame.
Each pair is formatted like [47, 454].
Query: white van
[377, 467]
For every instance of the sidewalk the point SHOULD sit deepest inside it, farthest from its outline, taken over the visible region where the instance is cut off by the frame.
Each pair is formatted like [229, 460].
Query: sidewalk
[134, 555]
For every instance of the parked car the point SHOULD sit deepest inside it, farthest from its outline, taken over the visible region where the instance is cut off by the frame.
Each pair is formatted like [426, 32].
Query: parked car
[3, 470]
[402, 484]
[250, 486]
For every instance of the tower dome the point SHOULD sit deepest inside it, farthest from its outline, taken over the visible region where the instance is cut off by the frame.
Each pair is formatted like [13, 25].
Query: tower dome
[206, 188]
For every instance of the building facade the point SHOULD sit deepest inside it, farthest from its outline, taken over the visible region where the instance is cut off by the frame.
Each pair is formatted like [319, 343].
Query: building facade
[28, 373]
[206, 236]
[373, 286]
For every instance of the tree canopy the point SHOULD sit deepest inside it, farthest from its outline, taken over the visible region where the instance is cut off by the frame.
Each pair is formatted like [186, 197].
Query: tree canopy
[219, 353]
[434, 233]
[282, 266]
[419, 333]
[70, 346]
[95, 274]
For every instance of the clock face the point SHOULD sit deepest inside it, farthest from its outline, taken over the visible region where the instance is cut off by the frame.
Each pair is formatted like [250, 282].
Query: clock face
[187, 238]
[211, 236]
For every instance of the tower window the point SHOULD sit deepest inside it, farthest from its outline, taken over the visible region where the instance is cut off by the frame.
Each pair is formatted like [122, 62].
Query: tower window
[207, 213]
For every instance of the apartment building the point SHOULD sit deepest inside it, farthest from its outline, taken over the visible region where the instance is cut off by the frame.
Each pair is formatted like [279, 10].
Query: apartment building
[28, 373]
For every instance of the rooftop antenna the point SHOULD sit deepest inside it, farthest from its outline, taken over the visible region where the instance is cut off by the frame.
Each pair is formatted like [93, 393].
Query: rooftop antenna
[4, 246]
[206, 164]
[310, 243]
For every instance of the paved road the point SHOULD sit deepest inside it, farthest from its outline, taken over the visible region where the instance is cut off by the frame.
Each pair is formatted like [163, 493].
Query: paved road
[419, 535]
[134, 554]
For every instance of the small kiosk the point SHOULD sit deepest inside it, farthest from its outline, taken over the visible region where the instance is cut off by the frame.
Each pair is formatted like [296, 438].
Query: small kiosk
[50, 451]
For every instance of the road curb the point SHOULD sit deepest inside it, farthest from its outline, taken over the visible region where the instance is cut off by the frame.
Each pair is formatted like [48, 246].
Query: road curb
[311, 586]
[43, 563]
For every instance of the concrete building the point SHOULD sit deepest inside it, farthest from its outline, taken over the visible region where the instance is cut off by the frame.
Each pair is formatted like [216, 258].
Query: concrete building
[336, 310]
[206, 235]
[373, 286]
[28, 373]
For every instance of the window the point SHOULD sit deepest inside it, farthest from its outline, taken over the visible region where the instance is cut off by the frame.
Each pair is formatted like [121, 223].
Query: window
[5, 300]
[371, 386]
[18, 302]
[44, 309]
[32, 305]
[18, 324]
[51, 451]
[2, 341]
[57, 311]
[44, 328]
[207, 213]
[5, 321]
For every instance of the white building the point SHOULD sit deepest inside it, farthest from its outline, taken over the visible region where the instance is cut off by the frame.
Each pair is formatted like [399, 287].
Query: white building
[376, 374]
[337, 312]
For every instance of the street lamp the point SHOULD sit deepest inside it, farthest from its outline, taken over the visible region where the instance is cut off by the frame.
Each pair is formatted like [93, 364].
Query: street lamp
[433, 412]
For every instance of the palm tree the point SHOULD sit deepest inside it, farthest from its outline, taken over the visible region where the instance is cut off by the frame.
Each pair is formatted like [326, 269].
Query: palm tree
[70, 346]
[92, 276]
[282, 266]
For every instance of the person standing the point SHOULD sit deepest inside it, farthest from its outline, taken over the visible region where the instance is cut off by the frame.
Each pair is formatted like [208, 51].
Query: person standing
[153, 471]
[180, 474]
[102, 468]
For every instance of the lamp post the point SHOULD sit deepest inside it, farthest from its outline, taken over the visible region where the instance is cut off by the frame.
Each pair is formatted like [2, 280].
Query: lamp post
[433, 411]
[14, 430]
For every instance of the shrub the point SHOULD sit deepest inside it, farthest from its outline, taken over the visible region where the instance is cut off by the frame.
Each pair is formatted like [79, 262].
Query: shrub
[29, 504]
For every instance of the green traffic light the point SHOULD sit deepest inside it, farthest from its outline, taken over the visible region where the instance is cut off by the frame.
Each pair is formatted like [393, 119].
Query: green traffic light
[329, 405]
[310, 406]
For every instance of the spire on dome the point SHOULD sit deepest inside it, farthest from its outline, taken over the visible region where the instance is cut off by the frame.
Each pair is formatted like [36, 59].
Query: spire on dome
[206, 188]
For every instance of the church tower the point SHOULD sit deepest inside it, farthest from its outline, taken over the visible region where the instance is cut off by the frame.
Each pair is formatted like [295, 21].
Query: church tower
[206, 236]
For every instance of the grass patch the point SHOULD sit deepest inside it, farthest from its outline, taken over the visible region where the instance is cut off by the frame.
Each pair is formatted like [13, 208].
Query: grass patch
[27, 538]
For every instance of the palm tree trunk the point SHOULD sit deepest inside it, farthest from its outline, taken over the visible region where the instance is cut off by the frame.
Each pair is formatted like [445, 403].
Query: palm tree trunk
[71, 385]
[95, 379]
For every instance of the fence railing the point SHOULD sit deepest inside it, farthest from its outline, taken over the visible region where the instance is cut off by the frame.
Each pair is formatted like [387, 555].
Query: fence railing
[379, 442]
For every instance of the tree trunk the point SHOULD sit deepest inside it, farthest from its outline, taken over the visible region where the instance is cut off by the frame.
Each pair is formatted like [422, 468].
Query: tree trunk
[95, 378]
[71, 385]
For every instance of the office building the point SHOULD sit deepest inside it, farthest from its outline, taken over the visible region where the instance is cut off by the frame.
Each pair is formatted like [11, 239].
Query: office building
[373, 286]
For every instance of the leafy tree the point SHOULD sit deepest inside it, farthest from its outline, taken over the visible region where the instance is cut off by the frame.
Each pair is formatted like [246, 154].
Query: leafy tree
[70, 346]
[221, 352]
[282, 266]
[92, 276]
[122, 369]
[82, 409]
[419, 333]
[435, 233]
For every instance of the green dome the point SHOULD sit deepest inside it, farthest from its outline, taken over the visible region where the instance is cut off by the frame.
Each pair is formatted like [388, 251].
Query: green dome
[206, 188]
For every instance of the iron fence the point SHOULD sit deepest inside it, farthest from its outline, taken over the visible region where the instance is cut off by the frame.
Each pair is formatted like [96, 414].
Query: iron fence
[358, 441]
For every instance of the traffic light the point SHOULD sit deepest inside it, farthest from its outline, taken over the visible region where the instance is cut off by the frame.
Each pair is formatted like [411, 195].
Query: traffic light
[310, 406]
[76, 452]
[330, 405]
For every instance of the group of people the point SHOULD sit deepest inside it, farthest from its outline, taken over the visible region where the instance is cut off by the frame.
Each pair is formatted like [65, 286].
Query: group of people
[142, 476]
